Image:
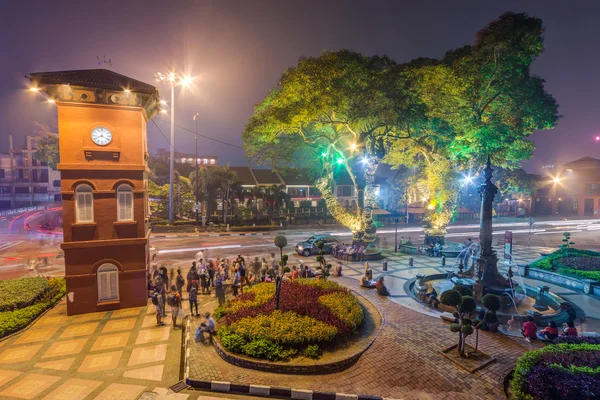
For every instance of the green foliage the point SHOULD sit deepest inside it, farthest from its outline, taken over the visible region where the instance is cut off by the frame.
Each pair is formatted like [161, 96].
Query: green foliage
[582, 264]
[20, 293]
[280, 241]
[345, 306]
[492, 302]
[286, 328]
[463, 290]
[491, 317]
[266, 349]
[528, 361]
[232, 342]
[451, 298]
[312, 351]
[467, 330]
[12, 321]
[455, 328]
[46, 149]
[468, 304]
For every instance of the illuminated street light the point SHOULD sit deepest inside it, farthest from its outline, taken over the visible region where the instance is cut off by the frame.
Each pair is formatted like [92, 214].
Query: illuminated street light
[597, 138]
[127, 91]
[468, 179]
[556, 180]
[353, 146]
[171, 79]
[51, 101]
[163, 102]
[34, 89]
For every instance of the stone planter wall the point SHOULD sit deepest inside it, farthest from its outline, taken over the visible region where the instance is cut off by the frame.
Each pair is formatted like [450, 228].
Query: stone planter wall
[587, 286]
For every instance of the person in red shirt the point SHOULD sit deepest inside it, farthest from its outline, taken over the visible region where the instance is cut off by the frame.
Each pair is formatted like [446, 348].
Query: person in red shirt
[295, 274]
[529, 329]
[550, 332]
[570, 329]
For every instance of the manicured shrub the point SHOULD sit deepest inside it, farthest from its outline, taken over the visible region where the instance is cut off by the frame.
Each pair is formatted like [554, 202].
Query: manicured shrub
[463, 290]
[582, 264]
[492, 302]
[19, 293]
[232, 342]
[286, 328]
[12, 321]
[312, 351]
[559, 371]
[468, 305]
[344, 306]
[577, 340]
[451, 298]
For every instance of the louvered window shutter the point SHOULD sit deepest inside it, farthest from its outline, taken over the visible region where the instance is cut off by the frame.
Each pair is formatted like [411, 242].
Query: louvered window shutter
[114, 285]
[88, 207]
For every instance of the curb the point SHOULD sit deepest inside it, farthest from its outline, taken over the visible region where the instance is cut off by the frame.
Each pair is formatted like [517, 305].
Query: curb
[211, 235]
[274, 391]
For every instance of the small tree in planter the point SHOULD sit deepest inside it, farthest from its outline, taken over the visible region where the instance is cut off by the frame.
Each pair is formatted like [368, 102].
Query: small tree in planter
[566, 243]
[464, 305]
[493, 304]
[323, 266]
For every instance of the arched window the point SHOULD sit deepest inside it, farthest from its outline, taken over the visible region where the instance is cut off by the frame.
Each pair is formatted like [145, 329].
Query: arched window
[108, 283]
[84, 204]
[124, 203]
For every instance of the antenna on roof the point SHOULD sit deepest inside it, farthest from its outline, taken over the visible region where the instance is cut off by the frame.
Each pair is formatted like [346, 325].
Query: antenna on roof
[104, 61]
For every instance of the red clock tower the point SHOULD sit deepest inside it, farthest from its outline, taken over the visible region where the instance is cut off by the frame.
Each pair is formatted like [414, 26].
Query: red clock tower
[102, 119]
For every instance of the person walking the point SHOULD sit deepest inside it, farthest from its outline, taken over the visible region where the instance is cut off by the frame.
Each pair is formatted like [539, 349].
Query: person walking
[157, 300]
[193, 299]
[236, 283]
[243, 276]
[180, 282]
[174, 301]
[211, 275]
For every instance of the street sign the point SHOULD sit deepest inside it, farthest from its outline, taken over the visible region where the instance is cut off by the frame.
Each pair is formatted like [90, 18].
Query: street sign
[508, 245]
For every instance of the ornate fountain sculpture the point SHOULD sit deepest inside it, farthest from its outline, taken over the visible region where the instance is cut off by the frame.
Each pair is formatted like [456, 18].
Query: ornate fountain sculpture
[484, 269]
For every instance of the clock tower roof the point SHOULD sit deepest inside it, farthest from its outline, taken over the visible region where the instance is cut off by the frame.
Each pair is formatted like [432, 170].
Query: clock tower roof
[92, 78]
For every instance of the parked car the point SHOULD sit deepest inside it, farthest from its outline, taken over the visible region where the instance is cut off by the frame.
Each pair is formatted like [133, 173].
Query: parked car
[309, 246]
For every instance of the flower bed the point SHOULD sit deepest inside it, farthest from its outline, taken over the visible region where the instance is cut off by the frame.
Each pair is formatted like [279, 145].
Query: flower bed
[19, 318]
[559, 371]
[313, 315]
[572, 262]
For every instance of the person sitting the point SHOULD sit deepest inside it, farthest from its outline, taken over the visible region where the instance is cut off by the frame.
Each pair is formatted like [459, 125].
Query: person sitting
[512, 324]
[569, 329]
[207, 326]
[409, 242]
[338, 269]
[366, 282]
[432, 298]
[380, 287]
[430, 250]
[550, 332]
[368, 272]
[529, 329]
[437, 249]
[295, 274]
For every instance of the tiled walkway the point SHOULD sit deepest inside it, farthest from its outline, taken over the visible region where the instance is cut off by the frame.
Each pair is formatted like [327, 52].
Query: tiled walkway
[115, 355]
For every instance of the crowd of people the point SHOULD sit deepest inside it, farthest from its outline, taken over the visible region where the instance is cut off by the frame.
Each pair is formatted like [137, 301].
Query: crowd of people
[348, 252]
[530, 332]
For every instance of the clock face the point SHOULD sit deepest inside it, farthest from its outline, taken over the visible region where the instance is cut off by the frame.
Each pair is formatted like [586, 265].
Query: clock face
[101, 136]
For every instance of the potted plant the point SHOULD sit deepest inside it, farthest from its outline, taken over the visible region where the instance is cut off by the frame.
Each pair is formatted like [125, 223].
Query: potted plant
[493, 304]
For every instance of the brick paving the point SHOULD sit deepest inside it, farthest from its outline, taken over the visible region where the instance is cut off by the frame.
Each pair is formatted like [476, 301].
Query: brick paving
[402, 363]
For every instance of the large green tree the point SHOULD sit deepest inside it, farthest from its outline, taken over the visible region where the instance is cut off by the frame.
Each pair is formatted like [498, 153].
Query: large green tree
[333, 114]
[46, 149]
[477, 101]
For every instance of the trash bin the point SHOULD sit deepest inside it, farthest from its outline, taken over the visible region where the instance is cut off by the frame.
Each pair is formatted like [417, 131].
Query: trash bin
[385, 265]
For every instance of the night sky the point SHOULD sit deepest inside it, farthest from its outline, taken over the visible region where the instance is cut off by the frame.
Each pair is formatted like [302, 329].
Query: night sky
[236, 51]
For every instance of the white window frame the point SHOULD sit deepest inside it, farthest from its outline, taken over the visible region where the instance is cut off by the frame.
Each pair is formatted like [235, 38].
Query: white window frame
[107, 278]
[124, 194]
[84, 197]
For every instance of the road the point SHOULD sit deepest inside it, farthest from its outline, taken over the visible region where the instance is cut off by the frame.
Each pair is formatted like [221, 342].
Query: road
[19, 251]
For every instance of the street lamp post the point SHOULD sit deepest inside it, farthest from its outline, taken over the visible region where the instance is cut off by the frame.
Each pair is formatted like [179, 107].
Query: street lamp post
[171, 78]
[197, 208]
[396, 235]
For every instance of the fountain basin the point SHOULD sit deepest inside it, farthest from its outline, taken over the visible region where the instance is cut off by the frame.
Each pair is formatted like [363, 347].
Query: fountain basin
[543, 305]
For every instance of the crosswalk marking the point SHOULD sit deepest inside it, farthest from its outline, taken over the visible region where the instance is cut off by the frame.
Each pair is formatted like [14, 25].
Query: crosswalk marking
[8, 245]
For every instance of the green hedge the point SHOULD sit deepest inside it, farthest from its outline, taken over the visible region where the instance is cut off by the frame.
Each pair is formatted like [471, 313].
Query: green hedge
[552, 263]
[19, 293]
[12, 321]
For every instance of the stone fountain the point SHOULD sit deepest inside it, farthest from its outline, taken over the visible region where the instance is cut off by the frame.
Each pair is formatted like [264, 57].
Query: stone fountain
[483, 276]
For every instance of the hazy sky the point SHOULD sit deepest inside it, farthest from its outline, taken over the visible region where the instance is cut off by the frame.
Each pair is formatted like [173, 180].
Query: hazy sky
[236, 51]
